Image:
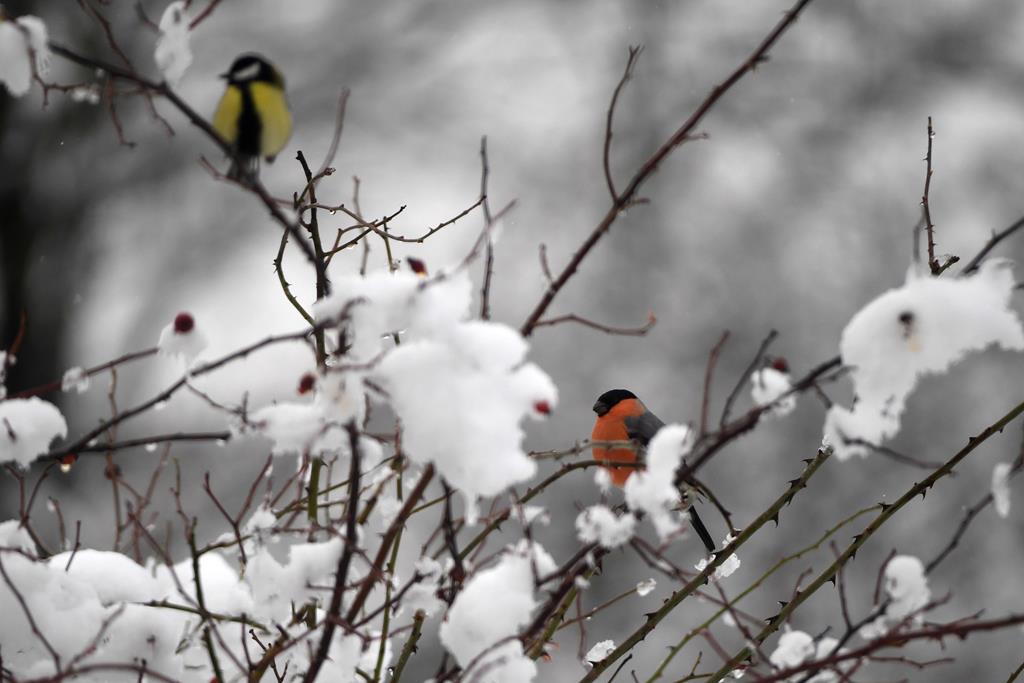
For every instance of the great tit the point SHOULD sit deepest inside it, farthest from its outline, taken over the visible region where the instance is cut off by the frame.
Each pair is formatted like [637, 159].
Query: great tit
[253, 116]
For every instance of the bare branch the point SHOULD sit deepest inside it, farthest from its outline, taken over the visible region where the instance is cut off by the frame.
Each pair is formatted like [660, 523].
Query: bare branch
[341, 574]
[623, 331]
[996, 238]
[682, 134]
[933, 265]
[709, 372]
[755, 363]
[627, 74]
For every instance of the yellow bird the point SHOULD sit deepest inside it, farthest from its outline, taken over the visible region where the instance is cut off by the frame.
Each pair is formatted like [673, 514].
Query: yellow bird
[253, 116]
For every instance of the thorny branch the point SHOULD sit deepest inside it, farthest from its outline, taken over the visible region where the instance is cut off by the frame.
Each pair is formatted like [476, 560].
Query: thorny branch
[564, 587]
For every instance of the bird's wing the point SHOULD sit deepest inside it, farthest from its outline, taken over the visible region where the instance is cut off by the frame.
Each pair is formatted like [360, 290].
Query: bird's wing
[643, 427]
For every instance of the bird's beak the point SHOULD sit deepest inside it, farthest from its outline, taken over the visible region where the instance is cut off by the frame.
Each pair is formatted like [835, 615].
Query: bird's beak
[226, 75]
[600, 408]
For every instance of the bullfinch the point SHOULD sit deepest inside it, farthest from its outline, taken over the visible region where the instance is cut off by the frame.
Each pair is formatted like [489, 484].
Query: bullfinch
[621, 416]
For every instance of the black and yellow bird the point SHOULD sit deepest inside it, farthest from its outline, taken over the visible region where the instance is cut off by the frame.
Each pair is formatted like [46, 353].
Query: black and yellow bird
[621, 416]
[253, 116]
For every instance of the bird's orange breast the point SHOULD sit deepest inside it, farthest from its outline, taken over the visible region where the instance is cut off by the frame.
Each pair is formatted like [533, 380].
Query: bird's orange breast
[611, 427]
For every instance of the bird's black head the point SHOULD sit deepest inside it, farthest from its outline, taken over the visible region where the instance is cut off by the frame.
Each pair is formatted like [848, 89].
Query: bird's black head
[609, 399]
[251, 67]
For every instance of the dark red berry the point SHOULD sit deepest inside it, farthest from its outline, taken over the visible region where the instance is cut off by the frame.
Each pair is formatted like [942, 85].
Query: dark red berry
[183, 323]
[542, 407]
[780, 364]
[307, 383]
[417, 266]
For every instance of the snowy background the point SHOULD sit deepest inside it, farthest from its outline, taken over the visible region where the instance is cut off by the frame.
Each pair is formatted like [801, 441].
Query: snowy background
[793, 215]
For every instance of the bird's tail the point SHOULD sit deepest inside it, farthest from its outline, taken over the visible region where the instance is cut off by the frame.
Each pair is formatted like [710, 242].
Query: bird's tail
[244, 167]
[702, 531]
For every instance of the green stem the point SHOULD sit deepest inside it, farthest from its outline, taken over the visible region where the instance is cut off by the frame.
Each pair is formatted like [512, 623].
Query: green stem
[1016, 673]
[314, 484]
[887, 513]
[556, 618]
[655, 618]
[205, 615]
[285, 287]
[323, 287]
[387, 612]
[391, 267]
[674, 650]
[163, 604]
[387, 589]
[410, 645]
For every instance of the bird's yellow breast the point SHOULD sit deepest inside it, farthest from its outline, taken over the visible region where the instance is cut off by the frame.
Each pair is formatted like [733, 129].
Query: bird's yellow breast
[276, 120]
[225, 120]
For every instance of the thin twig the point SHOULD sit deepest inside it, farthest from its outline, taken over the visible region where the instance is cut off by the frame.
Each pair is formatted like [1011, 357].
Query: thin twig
[627, 74]
[971, 513]
[886, 513]
[626, 197]
[654, 618]
[933, 265]
[485, 291]
[755, 363]
[83, 441]
[996, 238]
[29, 618]
[709, 372]
[153, 440]
[957, 629]
[207, 11]
[396, 525]
[56, 384]
[345, 559]
[339, 125]
[164, 90]
[607, 329]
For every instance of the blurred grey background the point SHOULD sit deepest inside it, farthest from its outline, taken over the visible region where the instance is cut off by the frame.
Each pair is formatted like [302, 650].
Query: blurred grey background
[793, 214]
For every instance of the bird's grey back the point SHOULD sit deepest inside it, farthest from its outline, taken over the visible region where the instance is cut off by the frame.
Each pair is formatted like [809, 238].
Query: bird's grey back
[643, 427]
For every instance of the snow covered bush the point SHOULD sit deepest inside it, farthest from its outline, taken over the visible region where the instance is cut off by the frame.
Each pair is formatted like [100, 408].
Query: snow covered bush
[401, 528]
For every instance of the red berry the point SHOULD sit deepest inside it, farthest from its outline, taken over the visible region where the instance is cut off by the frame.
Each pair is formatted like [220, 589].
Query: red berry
[780, 364]
[542, 407]
[183, 323]
[307, 383]
[417, 266]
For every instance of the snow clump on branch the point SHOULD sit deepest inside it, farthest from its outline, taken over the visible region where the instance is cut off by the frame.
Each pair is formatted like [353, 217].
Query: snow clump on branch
[173, 55]
[23, 52]
[797, 647]
[460, 387]
[921, 328]
[27, 427]
[484, 619]
[771, 384]
[906, 588]
[652, 490]
[599, 524]
[102, 607]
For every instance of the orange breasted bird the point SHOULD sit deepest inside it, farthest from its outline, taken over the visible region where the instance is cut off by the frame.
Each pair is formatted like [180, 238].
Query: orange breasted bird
[621, 416]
